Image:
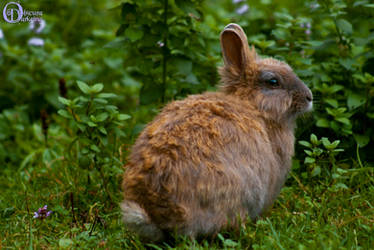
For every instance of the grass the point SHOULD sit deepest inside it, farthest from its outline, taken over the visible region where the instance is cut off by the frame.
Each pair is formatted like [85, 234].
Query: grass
[310, 213]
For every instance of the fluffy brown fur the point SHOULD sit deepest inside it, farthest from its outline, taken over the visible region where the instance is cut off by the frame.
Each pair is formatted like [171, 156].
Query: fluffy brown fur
[210, 159]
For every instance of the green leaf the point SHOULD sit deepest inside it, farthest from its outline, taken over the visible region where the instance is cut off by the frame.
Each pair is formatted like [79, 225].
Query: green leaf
[332, 102]
[230, 243]
[305, 143]
[64, 113]
[106, 95]
[362, 140]
[332, 112]
[343, 120]
[64, 101]
[345, 26]
[347, 63]
[84, 87]
[317, 151]
[96, 88]
[308, 152]
[103, 130]
[333, 145]
[335, 88]
[325, 141]
[27, 159]
[309, 160]
[316, 171]
[100, 100]
[91, 124]
[340, 185]
[95, 148]
[323, 123]
[314, 139]
[123, 117]
[81, 127]
[102, 117]
[355, 100]
[183, 66]
[134, 34]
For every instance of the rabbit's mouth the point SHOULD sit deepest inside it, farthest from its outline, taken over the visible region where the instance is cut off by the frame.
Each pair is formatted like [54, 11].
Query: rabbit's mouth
[309, 106]
[301, 107]
[302, 100]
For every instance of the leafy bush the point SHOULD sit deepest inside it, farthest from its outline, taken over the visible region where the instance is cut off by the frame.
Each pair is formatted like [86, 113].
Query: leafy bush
[95, 127]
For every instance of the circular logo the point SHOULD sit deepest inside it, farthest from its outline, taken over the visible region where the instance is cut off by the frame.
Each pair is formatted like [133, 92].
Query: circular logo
[12, 14]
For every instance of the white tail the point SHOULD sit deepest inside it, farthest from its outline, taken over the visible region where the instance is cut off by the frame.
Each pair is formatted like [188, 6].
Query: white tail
[136, 219]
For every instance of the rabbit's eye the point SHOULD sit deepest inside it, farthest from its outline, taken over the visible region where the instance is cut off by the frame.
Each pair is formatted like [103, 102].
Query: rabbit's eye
[273, 81]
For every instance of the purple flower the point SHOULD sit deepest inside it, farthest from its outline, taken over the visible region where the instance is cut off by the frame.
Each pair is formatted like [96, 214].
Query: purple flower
[1, 34]
[308, 32]
[237, 1]
[308, 25]
[243, 9]
[35, 41]
[42, 213]
[160, 44]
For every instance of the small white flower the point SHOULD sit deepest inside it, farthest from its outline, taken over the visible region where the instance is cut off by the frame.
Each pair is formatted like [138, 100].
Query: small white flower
[35, 41]
[314, 6]
[308, 25]
[1, 34]
[37, 25]
[243, 9]
[237, 1]
[160, 44]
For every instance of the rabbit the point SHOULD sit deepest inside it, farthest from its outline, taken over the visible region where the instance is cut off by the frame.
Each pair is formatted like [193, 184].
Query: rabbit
[212, 160]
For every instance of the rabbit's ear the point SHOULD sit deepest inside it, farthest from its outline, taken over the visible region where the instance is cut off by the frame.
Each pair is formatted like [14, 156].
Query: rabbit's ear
[235, 49]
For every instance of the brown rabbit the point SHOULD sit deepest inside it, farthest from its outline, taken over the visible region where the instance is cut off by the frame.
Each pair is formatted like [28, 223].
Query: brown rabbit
[211, 159]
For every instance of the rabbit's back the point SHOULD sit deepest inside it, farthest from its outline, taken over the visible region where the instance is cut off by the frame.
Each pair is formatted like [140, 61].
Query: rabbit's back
[202, 162]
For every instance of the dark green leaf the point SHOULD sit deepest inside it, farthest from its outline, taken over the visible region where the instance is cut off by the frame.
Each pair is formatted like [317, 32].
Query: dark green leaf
[134, 34]
[355, 100]
[362, 140]
[345, 26]
[102, 117]
[93, 147]
[322, 122]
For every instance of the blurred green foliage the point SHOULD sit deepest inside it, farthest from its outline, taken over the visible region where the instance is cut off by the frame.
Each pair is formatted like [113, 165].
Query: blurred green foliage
[63, 137]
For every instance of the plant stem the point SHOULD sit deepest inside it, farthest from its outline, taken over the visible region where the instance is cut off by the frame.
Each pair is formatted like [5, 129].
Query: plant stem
[30, 228]
[164, 51]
